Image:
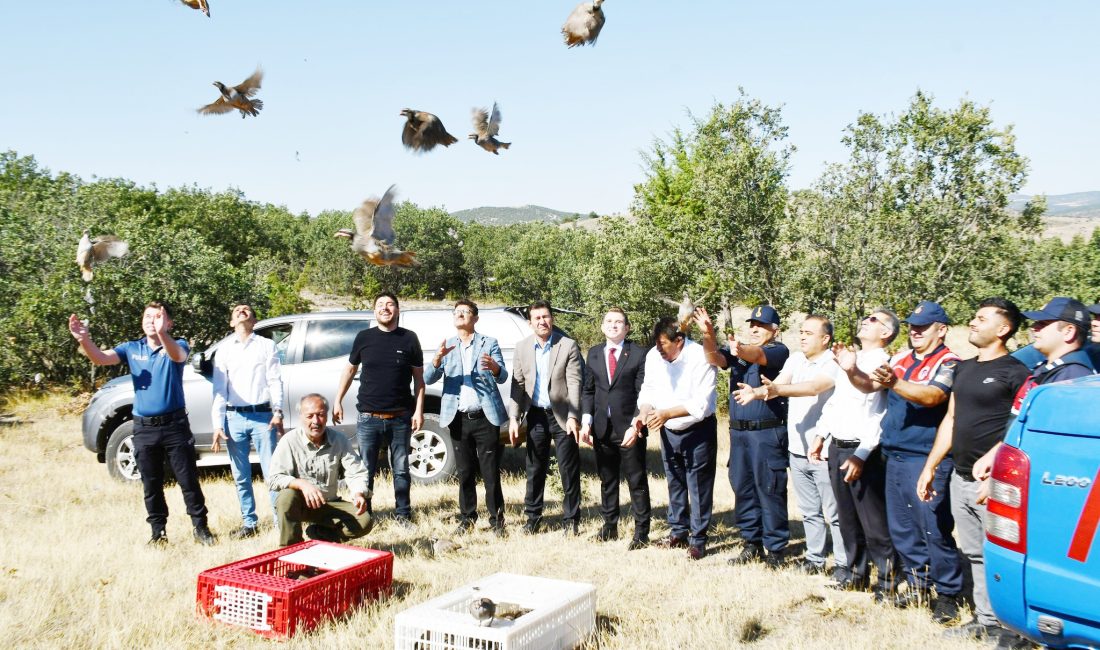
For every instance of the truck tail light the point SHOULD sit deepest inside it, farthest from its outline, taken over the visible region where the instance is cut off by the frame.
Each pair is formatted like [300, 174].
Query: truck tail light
[1006, 511]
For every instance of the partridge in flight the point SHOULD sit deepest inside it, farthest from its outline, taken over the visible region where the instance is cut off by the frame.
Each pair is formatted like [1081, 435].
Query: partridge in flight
[90, 252]
[373, 236]
[201, 5]
[423, 131]
[239, 97]
[583, 26]
[486, 127]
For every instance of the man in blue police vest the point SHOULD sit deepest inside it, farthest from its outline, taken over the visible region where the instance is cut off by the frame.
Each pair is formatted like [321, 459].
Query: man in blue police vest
[758, 436]
[919, 384]
[161, 428]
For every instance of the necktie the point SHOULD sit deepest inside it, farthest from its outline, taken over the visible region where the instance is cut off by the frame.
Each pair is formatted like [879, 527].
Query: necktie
[611, 364]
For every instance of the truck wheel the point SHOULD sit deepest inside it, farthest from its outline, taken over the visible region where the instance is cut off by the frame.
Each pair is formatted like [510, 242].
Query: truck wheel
[121, 461]
[432, 453]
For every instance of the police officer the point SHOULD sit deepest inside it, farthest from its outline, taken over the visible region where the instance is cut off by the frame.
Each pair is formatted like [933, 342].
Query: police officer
[758, 435]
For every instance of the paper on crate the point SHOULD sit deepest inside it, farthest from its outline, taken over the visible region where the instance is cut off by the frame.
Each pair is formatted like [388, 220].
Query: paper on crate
[332, 558]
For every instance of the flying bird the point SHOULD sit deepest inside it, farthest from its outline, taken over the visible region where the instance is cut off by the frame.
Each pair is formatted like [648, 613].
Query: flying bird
[486, 127]
[373, 236]
[685, 311]
[239, 97]
[90, 252]
[583, 26]
[201, 5]
[423, 131]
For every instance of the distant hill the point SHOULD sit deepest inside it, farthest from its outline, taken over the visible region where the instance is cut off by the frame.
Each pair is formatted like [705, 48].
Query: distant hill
[1067, 214]
[504, 216]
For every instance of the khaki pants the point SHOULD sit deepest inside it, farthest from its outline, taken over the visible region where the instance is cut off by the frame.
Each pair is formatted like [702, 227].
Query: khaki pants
[335, 521]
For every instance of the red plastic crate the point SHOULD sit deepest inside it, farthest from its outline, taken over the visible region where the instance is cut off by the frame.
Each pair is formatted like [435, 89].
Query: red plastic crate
[262, 593]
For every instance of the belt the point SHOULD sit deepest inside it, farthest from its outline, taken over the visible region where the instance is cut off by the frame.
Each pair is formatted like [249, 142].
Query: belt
[845, 444]
[384, 416]
[757, 425]
[160, 420]
[544, 409]
[473, 415]
[256, 408]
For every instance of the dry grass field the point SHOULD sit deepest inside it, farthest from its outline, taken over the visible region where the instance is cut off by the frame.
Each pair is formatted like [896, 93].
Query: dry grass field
[75, 571]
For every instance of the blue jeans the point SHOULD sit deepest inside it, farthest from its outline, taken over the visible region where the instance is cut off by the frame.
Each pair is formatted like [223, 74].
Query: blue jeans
[396, 432]
[244, 430]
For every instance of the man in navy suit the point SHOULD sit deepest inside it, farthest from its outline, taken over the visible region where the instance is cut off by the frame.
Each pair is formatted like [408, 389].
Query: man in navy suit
[471, 366]
[609, 402]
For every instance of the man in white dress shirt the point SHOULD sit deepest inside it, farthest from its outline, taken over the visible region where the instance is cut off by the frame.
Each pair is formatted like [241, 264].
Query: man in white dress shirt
[851, 423]
[807, 379]
[248, 407]
[677, 398]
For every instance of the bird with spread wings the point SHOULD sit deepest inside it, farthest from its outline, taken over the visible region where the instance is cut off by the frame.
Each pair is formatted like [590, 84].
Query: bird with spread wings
[486, 128]
[240, 97]
[373, 236]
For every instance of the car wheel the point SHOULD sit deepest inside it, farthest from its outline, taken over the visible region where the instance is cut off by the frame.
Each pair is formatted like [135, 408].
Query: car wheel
[121, 460]
[432, 453]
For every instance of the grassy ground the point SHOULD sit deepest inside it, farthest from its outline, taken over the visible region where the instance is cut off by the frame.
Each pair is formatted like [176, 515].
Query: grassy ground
[75, 571]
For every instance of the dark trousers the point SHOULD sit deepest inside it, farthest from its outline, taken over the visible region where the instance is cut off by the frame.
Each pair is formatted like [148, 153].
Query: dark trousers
[338, 519]
[758, 476]
[172, 441]
[478, 448]
[612, 461]
[922, 530]
[861, 508]
[542, 427]
[690, 458]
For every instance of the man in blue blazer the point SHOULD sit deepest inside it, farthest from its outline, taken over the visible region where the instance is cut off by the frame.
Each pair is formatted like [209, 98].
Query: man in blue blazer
[471, 366]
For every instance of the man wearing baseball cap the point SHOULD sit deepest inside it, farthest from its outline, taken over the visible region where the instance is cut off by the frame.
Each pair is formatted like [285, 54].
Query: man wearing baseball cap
[1093, 348]
[919, 383]
[758, 435]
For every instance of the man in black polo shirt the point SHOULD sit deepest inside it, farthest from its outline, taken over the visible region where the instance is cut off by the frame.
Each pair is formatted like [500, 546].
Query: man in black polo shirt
[979, 407]
[391, 359]
[758, 436]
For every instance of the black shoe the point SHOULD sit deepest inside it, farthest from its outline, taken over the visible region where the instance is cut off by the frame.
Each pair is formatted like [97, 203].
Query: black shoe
[637, 544]
[750, 552]
[462, 528]
[776, 559]
[159, 538]
[847, 583]
[324, 534]
[499, 531]
[244, 532]
[404, 522]
[973, 631]
[571, 528]
[697, 552]
[911, 598]
[672, 541]
[607, 533]
[807, 567]
[532, 526]
[204, 536]
[946, 609]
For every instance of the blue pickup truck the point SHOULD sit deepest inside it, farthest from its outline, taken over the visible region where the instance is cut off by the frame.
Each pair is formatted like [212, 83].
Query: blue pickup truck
[1042, 550]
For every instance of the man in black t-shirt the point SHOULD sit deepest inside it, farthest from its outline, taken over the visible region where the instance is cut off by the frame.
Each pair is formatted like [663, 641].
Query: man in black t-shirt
[391, 360]
[979, 407]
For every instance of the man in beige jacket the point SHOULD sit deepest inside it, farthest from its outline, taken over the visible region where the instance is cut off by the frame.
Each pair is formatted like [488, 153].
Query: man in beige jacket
[546, 389]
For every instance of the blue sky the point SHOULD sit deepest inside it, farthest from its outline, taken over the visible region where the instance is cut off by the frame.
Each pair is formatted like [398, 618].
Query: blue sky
[110, 89]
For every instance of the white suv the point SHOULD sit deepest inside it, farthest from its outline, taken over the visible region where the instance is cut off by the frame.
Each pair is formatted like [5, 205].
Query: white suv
[313, 349]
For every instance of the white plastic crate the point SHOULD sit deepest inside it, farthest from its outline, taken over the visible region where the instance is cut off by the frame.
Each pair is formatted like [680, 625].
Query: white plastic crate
[562, 615]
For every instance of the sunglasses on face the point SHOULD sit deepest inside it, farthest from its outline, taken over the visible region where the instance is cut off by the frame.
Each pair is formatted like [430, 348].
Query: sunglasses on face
[872, 319]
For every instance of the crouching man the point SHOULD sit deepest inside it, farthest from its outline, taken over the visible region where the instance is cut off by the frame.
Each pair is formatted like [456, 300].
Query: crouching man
[306, 469]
